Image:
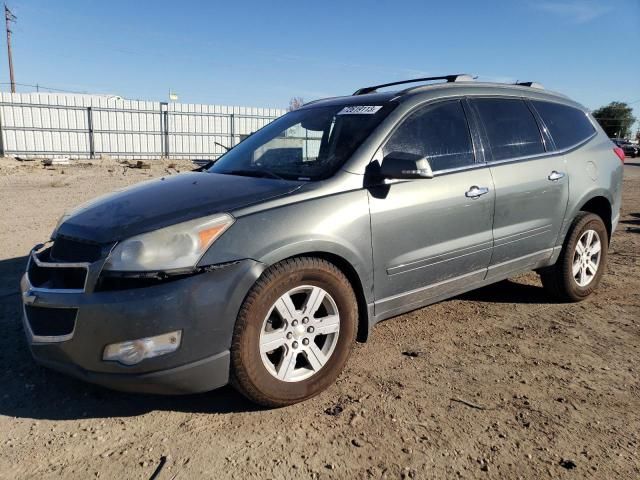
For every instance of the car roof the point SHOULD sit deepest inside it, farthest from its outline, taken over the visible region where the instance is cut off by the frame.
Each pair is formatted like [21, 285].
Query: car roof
[443, 90]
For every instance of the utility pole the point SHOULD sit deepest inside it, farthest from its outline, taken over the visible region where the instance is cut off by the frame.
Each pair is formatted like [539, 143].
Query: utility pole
[10, 17]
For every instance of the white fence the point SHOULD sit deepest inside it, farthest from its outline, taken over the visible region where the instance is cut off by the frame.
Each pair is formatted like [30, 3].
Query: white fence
[87, 126]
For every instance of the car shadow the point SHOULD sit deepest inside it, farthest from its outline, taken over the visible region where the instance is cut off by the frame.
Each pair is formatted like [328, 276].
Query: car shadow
[31, 391]
[509, 291]
[633, 225]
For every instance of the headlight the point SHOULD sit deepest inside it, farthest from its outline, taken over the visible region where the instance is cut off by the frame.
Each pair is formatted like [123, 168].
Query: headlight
[175, 247]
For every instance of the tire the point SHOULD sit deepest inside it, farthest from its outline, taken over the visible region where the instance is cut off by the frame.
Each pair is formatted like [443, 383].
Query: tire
[293, 372]
[561, 280]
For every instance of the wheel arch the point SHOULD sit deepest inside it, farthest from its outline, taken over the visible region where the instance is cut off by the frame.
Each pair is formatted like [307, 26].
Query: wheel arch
[601, 206]
[597, 201]
[356, 283]
[355, 279]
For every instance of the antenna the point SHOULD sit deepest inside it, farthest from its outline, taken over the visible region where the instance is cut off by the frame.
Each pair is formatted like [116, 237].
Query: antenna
[10, 17]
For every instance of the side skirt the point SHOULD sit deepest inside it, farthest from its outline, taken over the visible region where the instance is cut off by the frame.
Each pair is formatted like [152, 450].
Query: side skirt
[393, 306]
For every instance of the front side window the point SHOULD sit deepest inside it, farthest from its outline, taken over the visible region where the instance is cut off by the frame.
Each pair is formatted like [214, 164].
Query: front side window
[568, 126]
[306, 144]
[511, 128]
[438, 132]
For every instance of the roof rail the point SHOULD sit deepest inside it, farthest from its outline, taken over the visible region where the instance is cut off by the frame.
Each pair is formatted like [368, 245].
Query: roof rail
[531, 84]
[460, 77]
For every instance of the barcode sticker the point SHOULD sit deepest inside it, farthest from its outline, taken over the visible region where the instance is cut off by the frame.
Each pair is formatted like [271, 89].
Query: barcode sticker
[360, 110]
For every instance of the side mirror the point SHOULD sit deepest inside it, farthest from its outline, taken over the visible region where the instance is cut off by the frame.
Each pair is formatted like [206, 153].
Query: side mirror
[400, 165]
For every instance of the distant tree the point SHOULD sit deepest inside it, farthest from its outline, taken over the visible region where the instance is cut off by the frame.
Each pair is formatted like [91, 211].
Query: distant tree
[295, 103]
[615, 119]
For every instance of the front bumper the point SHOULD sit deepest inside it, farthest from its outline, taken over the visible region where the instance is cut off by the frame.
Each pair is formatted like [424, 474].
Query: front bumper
[201, 376]
[204, 306]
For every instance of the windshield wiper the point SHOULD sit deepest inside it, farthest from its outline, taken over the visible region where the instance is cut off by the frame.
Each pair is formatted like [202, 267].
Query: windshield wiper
[255, 173]
[226, 149]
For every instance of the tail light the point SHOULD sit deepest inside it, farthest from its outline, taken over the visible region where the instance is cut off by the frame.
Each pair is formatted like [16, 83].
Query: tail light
[620, 153]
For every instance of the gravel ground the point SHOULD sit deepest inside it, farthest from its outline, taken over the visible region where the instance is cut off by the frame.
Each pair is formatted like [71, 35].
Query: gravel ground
[497, 383]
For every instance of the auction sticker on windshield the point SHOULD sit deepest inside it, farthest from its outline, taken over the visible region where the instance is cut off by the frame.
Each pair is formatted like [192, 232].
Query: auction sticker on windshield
[360, 110]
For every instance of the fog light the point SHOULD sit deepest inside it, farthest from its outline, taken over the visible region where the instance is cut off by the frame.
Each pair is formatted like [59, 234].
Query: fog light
[134, 351]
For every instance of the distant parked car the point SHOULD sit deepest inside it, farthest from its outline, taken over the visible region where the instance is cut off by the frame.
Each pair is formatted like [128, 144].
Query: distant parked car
[262, 269]
[630, 150]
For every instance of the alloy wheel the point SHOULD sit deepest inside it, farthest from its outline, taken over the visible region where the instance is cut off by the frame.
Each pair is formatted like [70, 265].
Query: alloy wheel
[586, 258]
[299, 333]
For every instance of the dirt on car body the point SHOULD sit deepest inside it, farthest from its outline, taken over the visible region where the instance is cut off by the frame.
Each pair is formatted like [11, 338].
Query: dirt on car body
[498, 383]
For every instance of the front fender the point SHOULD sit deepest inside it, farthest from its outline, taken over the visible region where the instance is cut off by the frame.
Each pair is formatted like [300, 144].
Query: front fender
[322, 246]
[336, 224]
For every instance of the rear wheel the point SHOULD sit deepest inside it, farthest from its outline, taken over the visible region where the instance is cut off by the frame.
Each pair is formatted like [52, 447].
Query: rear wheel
[294, 332]
[582, 262]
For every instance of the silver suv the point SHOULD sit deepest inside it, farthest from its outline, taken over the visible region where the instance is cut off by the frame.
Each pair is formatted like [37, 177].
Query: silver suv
[263, 269]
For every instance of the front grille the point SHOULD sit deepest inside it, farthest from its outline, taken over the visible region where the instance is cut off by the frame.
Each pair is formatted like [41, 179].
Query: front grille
[57, 277]
[50, 322]
[70, 250]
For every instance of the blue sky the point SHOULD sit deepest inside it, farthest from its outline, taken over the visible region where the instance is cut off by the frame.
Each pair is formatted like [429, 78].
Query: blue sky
[261, 53]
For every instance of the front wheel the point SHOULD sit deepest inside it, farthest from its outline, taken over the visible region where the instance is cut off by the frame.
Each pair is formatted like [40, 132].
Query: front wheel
[582, 262]
[294, 332]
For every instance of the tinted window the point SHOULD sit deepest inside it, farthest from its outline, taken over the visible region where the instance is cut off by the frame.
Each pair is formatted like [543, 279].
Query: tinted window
[510, 126]
[438, 132]
[568, 126]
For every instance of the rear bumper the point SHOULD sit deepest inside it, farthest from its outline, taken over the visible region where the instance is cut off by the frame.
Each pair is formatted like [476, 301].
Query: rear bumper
[203, 306]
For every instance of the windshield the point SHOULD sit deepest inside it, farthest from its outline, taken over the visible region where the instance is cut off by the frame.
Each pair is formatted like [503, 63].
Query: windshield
[306, 144]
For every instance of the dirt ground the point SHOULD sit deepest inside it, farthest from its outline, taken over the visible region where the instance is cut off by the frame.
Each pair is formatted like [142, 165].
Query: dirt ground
[497, 383]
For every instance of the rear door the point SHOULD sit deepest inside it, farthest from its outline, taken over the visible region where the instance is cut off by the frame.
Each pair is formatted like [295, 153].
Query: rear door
[531, 186]
[431, 237]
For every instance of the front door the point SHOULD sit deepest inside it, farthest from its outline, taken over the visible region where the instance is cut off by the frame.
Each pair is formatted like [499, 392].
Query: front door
[431, 237]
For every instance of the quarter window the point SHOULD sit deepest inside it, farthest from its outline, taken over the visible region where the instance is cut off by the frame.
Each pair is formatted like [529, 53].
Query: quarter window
[438, 132]
[568, 126]
[511, 128]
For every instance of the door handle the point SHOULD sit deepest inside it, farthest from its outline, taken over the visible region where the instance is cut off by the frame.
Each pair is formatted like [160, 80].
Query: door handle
[553, 176]
[475, 192]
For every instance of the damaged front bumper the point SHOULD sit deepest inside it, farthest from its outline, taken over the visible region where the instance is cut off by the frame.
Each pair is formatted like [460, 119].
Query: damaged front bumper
[69, 322]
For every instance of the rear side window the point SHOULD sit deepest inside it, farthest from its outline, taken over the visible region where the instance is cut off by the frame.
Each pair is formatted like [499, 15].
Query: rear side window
[439, 132]
[511, 127]
[568, 126]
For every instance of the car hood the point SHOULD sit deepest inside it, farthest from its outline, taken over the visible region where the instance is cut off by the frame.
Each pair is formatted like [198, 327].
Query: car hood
[166, 201]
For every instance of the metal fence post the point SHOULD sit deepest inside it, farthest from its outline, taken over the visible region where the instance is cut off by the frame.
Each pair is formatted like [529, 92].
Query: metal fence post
[1, 136]
[92, 149]
[164, 128]
[232, 129]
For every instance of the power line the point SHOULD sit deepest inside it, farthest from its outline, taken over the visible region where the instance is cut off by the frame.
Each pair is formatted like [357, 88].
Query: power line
[37, 86]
